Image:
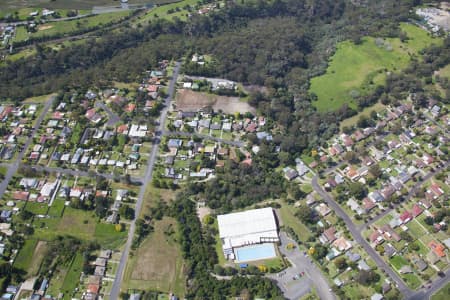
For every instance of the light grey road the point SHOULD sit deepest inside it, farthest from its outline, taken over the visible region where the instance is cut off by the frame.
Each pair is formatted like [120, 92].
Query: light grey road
[113, 117]
[204, 136]
[147, 178]
[15, 165]
[403, 288]
[435, 287]
[296, 288]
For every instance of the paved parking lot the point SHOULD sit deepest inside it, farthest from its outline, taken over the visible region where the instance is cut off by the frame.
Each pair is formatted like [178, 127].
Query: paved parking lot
[298, 280]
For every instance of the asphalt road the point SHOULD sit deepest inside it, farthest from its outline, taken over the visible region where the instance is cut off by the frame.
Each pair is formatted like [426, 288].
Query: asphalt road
[436, 286]
[115, 290]
[113, 118]
[295, 289]
[15, 165]
[205, 137]
[403, 288]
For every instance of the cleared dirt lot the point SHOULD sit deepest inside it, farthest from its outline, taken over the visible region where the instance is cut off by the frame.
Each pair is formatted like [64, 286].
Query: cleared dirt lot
[158, 263]
[187, 100]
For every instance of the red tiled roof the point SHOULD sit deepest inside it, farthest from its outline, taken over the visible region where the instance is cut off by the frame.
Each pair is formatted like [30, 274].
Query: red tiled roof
[437, 248]
[416, 210]
[122, 128]
[406, 216]
[20, 195]
[130, 107]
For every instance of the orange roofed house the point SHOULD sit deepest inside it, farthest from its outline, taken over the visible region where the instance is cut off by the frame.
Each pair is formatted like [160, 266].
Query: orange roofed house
[437, 248]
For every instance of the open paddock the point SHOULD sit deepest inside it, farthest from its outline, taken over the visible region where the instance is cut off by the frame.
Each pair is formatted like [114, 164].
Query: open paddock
[187, 100]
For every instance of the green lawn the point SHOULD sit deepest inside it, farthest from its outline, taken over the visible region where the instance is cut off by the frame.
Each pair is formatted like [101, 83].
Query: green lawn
[75, 222]
[164, 11]
[25, 256]
[357, 69]
[442, 294]
[57, 208]
[69, 4]
[108, 236]
[39, 99]
[365, 112]
[416, 230]
[445, 71]
[66, 27]
[37, 208]
[72, 277]
[398, 261]
[289, 220]
[412, 281]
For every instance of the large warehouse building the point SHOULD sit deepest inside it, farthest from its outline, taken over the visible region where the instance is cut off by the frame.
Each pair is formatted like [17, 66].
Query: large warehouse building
[245, 228]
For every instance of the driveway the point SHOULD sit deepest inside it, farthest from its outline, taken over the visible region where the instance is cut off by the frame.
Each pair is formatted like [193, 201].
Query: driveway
[113, 118]
[291, 283]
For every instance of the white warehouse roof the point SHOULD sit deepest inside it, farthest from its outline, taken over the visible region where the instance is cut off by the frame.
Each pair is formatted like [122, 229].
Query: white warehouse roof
[247, 227]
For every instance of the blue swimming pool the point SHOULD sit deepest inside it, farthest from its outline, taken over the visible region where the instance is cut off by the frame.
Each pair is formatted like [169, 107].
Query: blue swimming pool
[255, 252]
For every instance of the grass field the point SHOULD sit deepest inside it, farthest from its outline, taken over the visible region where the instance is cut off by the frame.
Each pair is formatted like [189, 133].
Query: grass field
[357, 69]
[163, 11]
[69, 4]
[445, 71]
[157, 264]
[66, 27]
[39, 99]
[365, 112]
[412, 281]
[398, 261]
[38, 255]
[442, 294]
[287, 216]
[72, 277]
[80, 224]
[416, 229]
[109, 236]
[25, 256]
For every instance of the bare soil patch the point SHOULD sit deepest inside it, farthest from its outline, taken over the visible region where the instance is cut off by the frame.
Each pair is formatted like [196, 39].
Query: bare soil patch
[44, 27]
[187, 100]
[38, 256]
[158, 258]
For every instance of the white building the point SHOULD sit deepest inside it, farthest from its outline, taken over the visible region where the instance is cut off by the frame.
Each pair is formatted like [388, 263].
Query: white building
[246, 228]
[138, 131]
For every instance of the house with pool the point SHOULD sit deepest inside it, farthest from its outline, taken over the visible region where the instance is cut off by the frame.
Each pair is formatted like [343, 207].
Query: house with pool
[249, 235]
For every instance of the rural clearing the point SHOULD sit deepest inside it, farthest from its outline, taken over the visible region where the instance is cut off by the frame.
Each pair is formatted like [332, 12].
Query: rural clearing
[157, 263]
[356, 69]
[187, 100]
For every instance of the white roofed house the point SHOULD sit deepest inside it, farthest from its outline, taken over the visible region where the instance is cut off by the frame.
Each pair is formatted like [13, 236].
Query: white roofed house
[138, 131]
[249, 227]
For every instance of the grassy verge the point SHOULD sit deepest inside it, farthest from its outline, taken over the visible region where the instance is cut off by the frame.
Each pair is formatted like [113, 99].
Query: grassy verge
[290, 220]
[442, 294]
